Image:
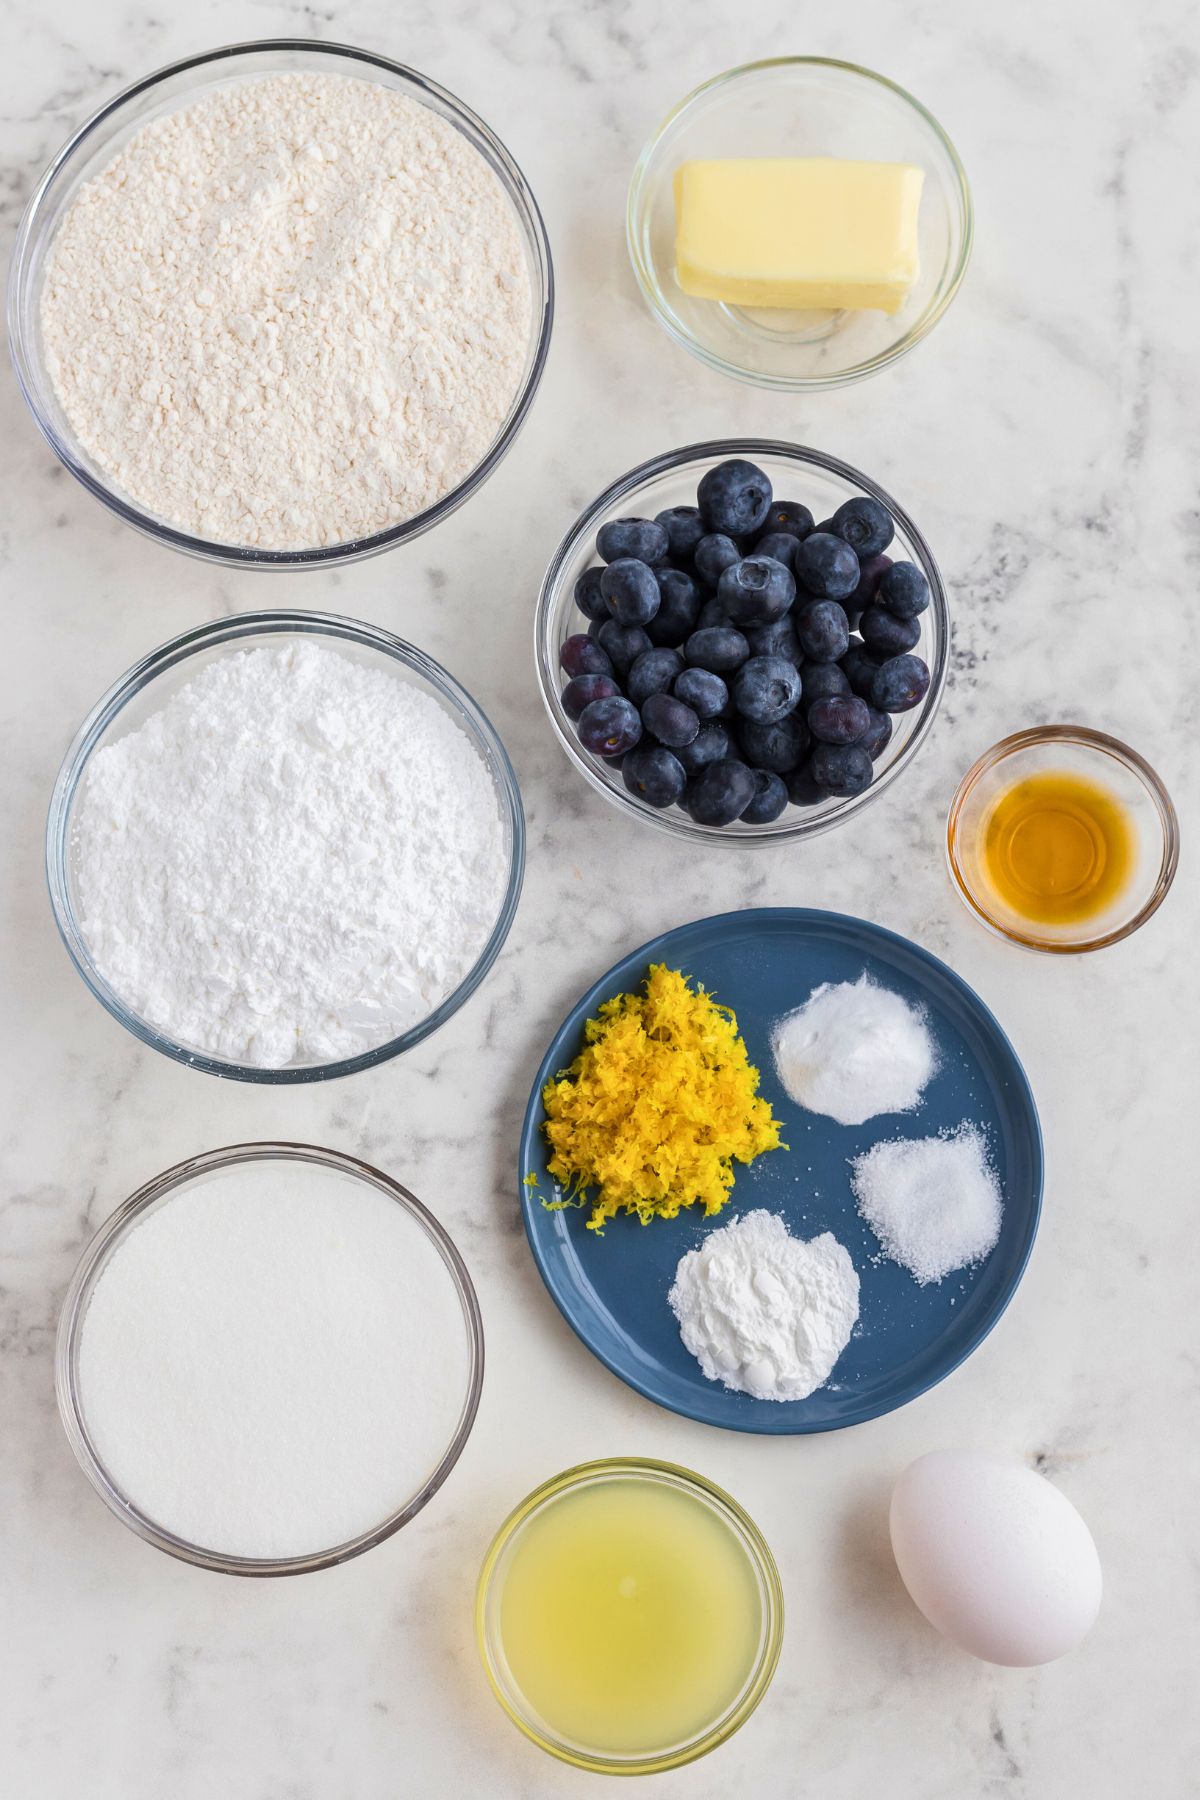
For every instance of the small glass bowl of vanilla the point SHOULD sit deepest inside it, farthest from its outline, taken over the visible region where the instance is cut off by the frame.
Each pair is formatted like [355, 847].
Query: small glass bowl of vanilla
[1062, 839]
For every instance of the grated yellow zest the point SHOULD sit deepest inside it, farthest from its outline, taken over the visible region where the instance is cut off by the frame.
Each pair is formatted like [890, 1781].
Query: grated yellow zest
[657, 1107]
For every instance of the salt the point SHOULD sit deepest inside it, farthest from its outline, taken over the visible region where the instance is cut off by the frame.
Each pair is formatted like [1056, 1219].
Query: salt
[854, 1050]
[934, 1203]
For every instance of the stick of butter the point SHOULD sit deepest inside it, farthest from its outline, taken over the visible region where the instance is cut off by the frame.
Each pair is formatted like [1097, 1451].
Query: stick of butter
[798, 232]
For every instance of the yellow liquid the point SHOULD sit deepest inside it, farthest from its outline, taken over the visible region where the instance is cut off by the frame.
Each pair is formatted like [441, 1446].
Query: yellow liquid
[630, 1617]
[1057, 848]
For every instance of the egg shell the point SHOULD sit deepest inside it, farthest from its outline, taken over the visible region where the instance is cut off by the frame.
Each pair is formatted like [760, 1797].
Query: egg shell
[995, 1557]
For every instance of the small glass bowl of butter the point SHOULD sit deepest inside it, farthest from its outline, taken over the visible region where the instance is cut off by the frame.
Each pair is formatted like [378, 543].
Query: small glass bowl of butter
[799, 223]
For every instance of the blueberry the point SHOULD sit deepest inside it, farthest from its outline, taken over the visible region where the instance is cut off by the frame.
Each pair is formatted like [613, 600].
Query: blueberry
[670, 721]
[643, 539]
[581, 690]
[878, 734]
[780, 546]
[654, 775]
[860, 668]
[842, 719]
[713, 555]
[802, 789]
[900, 683]
[843, 769]
[711, 744]
[735, 498]
[609, 727]
[789, 516]
[704, 692]
[778, 746]
[823, 630]
[684, 526]
[886, 635]
[711, 613]
[904, 590]
[870, 572]
[826, 566]
[823, 681]
[595, 626]
[720, 793]
[631, 591]
[652, 673]
[624, 644]
[718, 647]
[580, 655]
[776, 639]
[768, 801]
[766, 688]
[678, 609]
[756, 591]
[825, 525]
[865, 525]
[588, 598]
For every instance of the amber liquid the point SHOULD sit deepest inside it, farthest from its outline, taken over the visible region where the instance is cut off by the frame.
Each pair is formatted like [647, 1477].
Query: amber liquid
[1057, 848]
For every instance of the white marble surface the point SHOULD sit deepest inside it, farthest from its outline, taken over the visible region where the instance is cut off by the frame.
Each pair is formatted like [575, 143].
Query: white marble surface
[1046, 438]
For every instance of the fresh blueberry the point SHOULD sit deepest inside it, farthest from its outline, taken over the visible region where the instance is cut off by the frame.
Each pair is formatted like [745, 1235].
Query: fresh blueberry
[825, 525]
[596, 626]
[679, 606]
[711, 744]
[887, 635]
[756, 591]
[843, 769]
[713, 555]
[646, 540]
[870, 572]
[684, 526]
[654, 775]
[842, 719]
[802, 789]
[766, 688]
[670, 721]
[588, 598]
[900, 683]
[609, 727]
[788, 516]
[631, 591]
[904, 590]
[768, 800]
[580, 655]
[860, 668]
[778, 746]
[624, 644]
[823, 630]
[865, 525]
[581, 690]
[777, 639]
[720, 793]
[652, 673]
[780, 546]
[735, 498]
[826, 567]
[718, 647]
[823, 681]
[878, 734]
[704, 692]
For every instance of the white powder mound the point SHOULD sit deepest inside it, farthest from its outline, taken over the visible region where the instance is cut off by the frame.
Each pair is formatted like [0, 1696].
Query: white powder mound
[934, 1203]
[854, 1050]
[290, 315]
[763, 1312]
[273, 1362]
[295, 860]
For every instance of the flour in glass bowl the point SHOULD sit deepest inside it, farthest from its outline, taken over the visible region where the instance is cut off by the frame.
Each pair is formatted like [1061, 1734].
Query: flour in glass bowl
[290, 315]
[293, 861]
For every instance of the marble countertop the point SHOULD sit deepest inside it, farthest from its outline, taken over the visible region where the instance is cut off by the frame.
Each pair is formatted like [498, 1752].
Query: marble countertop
[1046, 440]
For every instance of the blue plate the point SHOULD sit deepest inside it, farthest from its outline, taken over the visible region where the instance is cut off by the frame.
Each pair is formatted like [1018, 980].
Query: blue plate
[612, 1288]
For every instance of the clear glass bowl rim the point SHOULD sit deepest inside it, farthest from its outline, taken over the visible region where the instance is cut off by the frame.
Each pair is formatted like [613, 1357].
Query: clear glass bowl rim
[26, 361]
[752, 1542]
[87, 1271]
[670, 819]
[1085, 737]
[758, 378]
[276, 622]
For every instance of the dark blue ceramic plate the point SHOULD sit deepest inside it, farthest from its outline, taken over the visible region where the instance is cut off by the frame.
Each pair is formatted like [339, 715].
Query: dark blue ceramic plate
[612, 1289]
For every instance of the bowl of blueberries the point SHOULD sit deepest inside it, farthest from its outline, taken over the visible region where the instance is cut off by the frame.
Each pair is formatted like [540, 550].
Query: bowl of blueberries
[742, 640]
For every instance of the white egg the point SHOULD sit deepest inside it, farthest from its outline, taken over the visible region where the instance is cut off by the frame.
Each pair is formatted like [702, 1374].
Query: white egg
[995, 1557]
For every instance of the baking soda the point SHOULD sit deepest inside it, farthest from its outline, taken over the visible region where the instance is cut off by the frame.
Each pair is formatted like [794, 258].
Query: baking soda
[854, 1050]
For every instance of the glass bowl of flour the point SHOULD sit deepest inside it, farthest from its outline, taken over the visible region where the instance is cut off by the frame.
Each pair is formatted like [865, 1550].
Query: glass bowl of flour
[285, 846]
[284, 304]
[269, 1359]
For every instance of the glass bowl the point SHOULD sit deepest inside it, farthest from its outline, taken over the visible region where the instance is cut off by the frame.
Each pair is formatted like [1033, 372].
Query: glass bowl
[145, 688]
[91, 1265]
[169, 90]
[1112, 766]
[799, 106]
[797, 473]
[741, 1529]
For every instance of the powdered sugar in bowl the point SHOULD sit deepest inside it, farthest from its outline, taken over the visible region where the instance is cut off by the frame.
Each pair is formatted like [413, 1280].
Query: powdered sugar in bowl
[285, 846]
